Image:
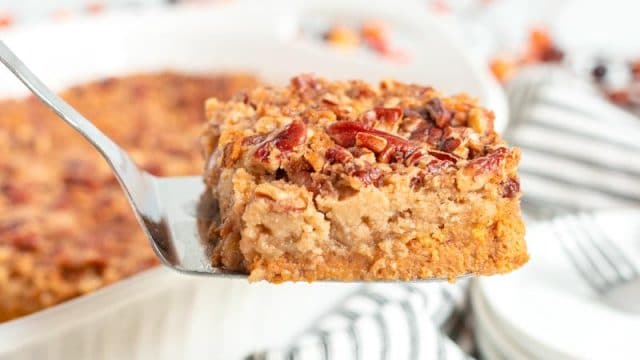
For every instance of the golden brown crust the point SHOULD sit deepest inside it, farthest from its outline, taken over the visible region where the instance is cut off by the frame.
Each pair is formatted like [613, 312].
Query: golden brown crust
[66, 229]
[344, 180]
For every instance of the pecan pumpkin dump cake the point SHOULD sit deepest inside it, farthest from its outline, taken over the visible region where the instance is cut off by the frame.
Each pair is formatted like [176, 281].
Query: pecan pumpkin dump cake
[66, 228]
[344, 180]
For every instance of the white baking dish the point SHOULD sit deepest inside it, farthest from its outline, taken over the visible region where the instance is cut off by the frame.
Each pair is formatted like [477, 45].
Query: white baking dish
[162, 315]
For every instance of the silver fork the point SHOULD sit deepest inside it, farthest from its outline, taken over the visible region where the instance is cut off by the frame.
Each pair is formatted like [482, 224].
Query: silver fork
[602, 264]
[523, 90]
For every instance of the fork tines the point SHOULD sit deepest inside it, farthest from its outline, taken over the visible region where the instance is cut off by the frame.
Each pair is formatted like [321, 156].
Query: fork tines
[596, 257]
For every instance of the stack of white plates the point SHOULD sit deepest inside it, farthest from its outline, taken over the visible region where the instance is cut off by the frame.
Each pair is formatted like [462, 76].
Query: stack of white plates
[546, 310]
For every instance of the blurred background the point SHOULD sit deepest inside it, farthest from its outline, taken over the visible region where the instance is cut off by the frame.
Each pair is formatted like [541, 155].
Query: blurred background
[562, 76]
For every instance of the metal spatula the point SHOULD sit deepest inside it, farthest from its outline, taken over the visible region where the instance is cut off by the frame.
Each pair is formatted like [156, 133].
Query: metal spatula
[165, 207]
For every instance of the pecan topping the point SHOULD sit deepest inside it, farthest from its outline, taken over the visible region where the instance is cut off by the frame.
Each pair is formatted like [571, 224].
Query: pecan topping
[390, 115]
[372, 142]
[337, 154]
[510, 188]
[369, 175]
[397, 149]
[450, 144]
[360, 90]
[344, 133]
[436, 166]
[27, 241]
[437, 112]
[429, 133]
[412, 121]
[291, 136]
[491, 161]
[443, 155]
[16, 194]
[305, 81]
[300, 172]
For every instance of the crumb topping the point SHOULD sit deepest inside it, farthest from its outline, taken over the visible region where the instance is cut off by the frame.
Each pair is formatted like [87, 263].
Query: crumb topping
[319, 133]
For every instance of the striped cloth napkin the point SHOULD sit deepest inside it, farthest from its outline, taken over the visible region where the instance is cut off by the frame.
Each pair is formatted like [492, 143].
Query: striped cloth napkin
[385, 321]
[579, 153]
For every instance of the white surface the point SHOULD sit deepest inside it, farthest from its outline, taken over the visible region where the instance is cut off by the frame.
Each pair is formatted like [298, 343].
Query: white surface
[161, 315]
[575, 23]
[548, 309]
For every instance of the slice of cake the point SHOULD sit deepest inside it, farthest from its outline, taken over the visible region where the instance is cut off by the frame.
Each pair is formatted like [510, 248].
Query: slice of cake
[344, 180]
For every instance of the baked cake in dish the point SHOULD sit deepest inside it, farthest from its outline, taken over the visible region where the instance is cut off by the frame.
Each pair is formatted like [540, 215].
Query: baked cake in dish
[66, 227]
[344, 180]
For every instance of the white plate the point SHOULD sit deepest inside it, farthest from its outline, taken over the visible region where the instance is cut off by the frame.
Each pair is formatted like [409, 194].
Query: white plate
[548, 308]
[493, 341]
[158, 314]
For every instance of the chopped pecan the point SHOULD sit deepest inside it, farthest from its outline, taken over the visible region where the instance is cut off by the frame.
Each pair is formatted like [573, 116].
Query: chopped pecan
[367, 174]
[27, 241]
[428, 133]
[443, 155]
[15, 193]
[359, 90]
[305, 81]
[436, 166]
[490, 162]
[397, 149]
[344, 132]
[412, 121]
[291, 136]
[300, 172]
[337, 154]
[388, 115]
[438, 113]
[434, 136]
[414, 157]
[450, 144]
[510, 188]
[18, 234]
[372, 142]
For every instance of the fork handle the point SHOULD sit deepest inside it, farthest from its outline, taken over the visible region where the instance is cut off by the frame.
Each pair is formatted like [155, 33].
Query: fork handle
[119, 161]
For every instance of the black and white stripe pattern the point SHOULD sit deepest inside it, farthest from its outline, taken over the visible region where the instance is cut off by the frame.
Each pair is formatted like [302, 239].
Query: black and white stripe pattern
[578, 150]
[384, 321]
